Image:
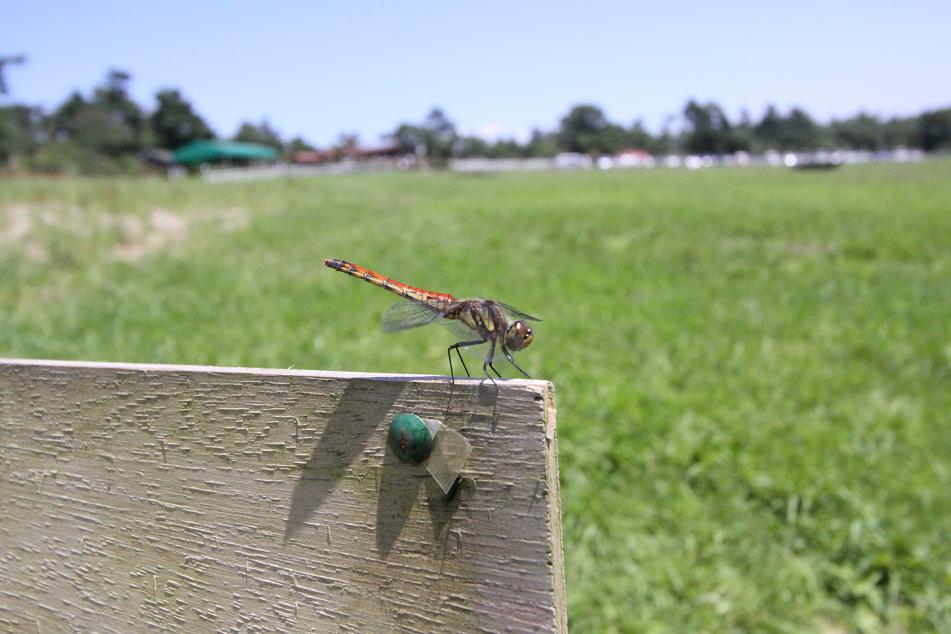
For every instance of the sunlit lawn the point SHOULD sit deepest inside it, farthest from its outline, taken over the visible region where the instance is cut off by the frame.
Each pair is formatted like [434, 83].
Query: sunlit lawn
[752, 367]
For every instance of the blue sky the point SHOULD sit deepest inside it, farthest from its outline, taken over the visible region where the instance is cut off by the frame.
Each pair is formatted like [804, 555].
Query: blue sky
[320, 69]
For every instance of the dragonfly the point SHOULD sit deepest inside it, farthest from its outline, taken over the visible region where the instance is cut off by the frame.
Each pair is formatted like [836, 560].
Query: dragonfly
[474, 321]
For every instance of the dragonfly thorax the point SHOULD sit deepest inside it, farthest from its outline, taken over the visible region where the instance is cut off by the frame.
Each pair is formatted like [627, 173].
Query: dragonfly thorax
[518, 335]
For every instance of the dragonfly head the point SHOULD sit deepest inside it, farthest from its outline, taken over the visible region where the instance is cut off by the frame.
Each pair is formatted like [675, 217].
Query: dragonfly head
[518, 335]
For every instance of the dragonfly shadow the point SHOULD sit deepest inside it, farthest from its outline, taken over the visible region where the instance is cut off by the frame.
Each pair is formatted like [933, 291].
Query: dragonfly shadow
[485, 392]
[360, 412]
[441, 512]
[400, 487]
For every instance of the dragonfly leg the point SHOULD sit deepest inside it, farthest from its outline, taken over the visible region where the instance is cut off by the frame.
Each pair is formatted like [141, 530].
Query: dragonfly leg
[461, 360]
[456, 346]
[508, 356]
[452, 373]
[489, 360]
[488, 364]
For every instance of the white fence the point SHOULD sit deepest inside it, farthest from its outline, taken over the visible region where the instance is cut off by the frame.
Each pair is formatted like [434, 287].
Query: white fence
[690, 161]
[573, 161]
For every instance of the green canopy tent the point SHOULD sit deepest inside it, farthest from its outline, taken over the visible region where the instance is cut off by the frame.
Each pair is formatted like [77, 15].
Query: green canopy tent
[198, 152]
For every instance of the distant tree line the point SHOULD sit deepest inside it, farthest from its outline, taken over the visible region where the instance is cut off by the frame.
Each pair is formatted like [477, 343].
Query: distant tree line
[105, 131]
[706, 129]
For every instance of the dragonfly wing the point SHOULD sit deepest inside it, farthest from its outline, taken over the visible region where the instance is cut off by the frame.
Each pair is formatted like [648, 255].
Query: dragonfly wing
[405, 315]
[461, 331]
[517, 314]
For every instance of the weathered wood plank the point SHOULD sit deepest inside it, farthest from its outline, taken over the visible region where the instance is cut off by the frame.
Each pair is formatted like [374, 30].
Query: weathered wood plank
[198, 498]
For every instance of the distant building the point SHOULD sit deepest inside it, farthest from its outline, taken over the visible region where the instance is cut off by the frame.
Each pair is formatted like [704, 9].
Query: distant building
[228, 152]
[314, 157]
[383, 152]
[387, 150]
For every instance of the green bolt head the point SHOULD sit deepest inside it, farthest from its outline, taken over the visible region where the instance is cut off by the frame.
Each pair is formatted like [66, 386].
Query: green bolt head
[410, 439]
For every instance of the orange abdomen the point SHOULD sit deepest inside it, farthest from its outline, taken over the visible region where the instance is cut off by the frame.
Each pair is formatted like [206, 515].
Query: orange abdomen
[403, 290]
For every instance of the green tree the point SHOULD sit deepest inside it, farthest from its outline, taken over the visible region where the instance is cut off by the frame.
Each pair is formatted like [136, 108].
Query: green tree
[295, 145]
[901, 132]
[63, 124]
[638, 137]
[708, 129]
[505, 149]
[126, 127]
[934, 130]
[263, 134]
[795, 131]
[612, 140]
[666, 142]
[542, 144]
[175, 123]
[99, 131]
[741, 136]
[20, 132]
[110, 123]
[861, 132]
[801, 131]
[442, 136]
[298, 144]
[769, 131]
[470, 146]
[435, 138]
[586, 129]
[412, 137]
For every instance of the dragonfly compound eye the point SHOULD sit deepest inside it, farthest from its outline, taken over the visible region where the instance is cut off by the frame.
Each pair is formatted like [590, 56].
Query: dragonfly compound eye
[518, 335]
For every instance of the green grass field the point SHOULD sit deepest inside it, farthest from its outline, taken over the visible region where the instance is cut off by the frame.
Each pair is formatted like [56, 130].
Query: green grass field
[752, 367]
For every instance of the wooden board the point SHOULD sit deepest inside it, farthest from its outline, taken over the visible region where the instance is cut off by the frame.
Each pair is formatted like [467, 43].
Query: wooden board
[206, 499]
